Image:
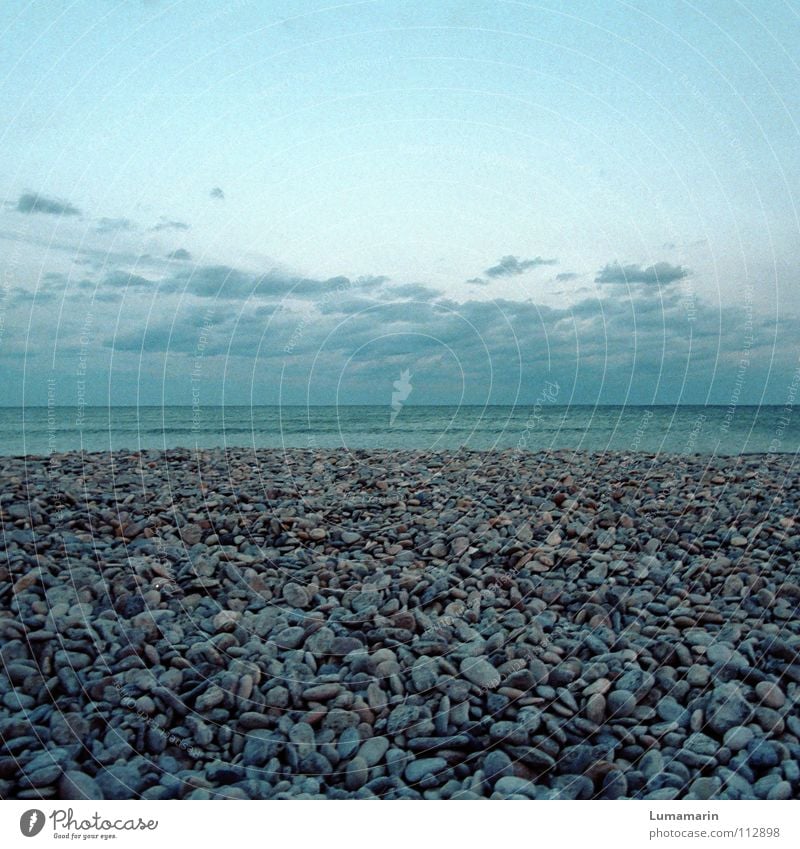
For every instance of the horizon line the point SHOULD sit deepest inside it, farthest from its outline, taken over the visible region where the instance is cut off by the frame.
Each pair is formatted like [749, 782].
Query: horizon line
[373, 406]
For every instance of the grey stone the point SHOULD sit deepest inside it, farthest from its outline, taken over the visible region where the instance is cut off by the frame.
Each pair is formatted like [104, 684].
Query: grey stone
[781, 790]
[596, 708]
[260, 746]
[701, 744]
[349, 742]
[738, 737]
[480, 672]
[357, 773]
[417, 770]
[510, 785]
[705, 787]
[496, 765]
[302, 736]
[620, 703]
[770, 694]
[295, 595]
[373, 750]
[75, 784]
[402, 718]
[727, 708]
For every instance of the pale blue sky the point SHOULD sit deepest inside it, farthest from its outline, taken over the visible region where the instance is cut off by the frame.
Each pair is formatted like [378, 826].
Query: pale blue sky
[412, 141]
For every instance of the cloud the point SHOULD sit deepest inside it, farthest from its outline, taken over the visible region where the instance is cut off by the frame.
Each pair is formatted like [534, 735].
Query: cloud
[478, 281]
[180, 254]
[217, 193]
[169, 224]
[418, 291]
[661, 273]
[113, 225]
[30, 202]
[354, 332]
[511, 266]
[123, 279]
[567, 275]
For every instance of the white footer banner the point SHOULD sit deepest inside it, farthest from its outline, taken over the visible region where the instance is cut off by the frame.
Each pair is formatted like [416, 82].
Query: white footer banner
[386, 825]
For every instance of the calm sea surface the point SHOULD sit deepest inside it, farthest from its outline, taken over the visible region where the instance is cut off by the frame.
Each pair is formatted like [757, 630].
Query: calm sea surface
[685, 429]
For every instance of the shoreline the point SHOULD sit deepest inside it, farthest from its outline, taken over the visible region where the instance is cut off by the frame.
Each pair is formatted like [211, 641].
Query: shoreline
[529, 453]
[400, 624]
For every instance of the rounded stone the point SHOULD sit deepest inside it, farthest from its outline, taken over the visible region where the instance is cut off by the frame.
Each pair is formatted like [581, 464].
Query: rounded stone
[357, 773]
[419, 769]
[705, 787]
[295, 596]
[496, 765]
[738, 737]
[770, 694]
[782, 790]
[620, 703]
[74, 784]
[596, 708]
[480, 672]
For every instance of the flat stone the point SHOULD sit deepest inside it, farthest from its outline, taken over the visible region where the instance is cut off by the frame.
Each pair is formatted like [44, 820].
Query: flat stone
[705, 787]
[212, 697]
[701, 744]
[510, 785]
[260, 746]
[496, 765]
[423, 674]
[770, 694]
[596, 708]
[480, 672]
[349, 743]
[74, 784]
[373, 750]
[738, 737]
[782, 790]
[322, 692]
[727, 708]
[290, 638]
[357, 773]
[698, 675]
[424, 767]
[301, 735]
[295, 595]
[620, 703]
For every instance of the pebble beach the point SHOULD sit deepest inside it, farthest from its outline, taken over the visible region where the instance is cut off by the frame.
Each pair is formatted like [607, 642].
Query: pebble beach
[331, 624]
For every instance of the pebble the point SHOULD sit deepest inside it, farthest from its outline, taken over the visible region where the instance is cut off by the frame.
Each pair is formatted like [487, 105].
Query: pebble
[295, 596]
[75, 784]
[357, 773]
[621, 703]
[727, 708]
[512, 786]
[770, 694]
[304, 624]
[738, 737]
[705, 787]
[479, 671]
[698, 675]
[781, 790]
[417, 770]
[372, 751]
[496, 765]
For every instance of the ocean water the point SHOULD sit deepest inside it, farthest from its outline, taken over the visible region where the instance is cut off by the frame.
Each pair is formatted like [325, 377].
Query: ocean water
[681, 430]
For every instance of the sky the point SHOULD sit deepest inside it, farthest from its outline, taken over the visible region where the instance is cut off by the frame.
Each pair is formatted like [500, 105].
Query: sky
[296, 202]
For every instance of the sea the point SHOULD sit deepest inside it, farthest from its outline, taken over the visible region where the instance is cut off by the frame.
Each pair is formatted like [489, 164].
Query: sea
[710, 430]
